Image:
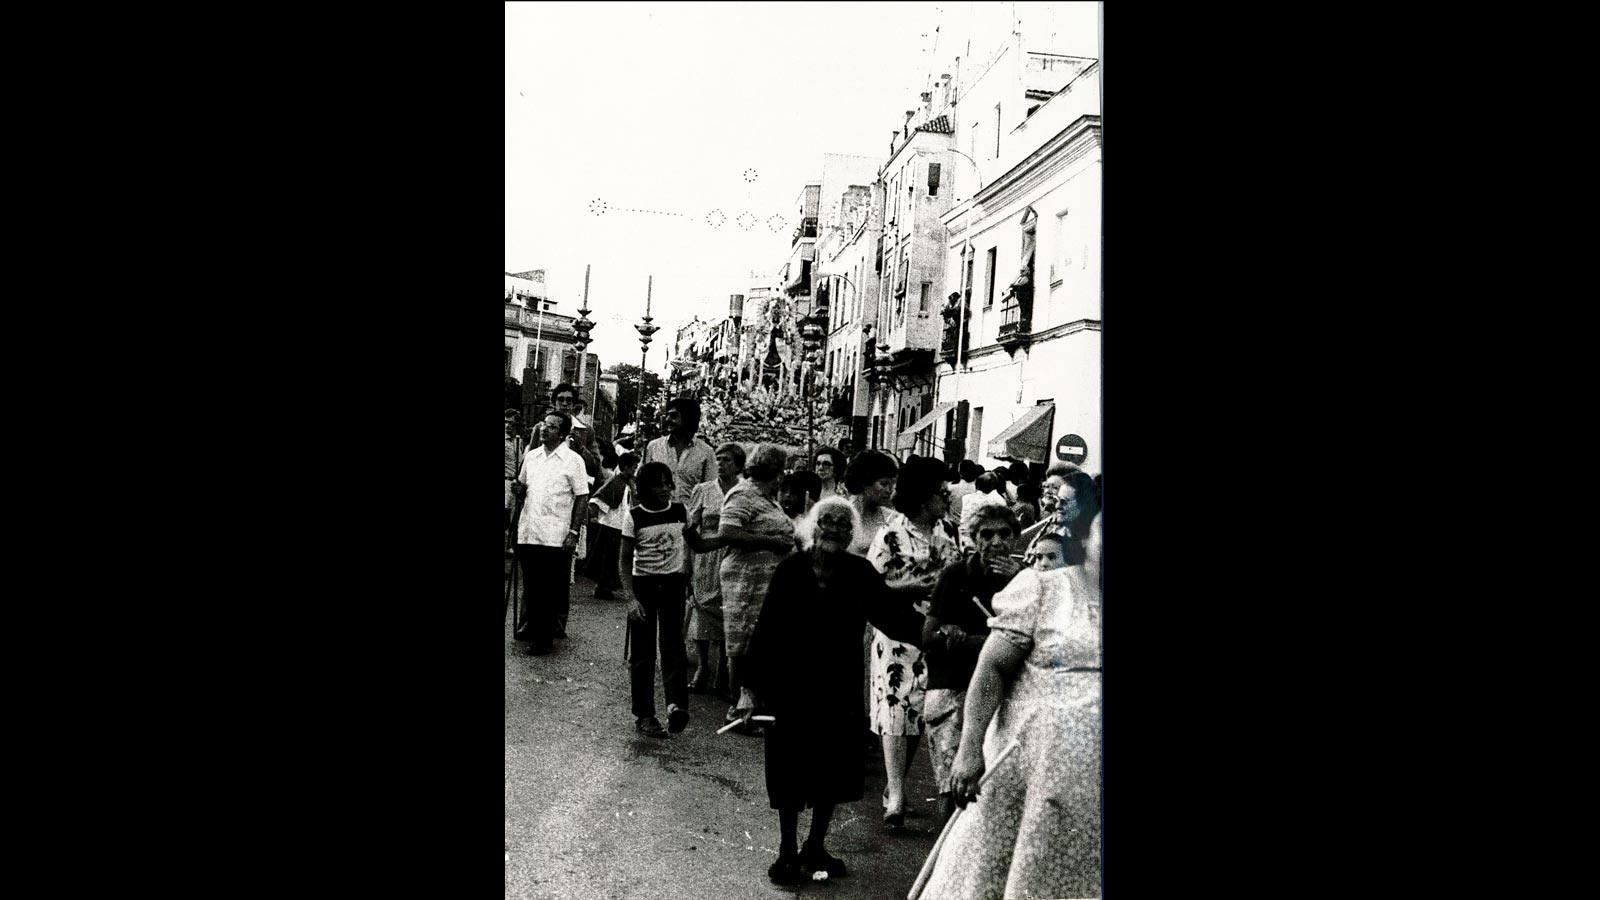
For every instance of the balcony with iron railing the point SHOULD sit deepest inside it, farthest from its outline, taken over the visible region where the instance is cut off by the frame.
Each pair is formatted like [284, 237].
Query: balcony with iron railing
[528, 320]
[807, 229]
[1016, 324]
[953, 330]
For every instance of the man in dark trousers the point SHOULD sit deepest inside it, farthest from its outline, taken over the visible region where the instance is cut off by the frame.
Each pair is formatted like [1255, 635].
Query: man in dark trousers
[954, 632]
[552, 489]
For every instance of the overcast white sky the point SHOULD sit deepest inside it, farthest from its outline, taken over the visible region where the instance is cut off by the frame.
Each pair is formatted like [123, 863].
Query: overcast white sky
[663, 106]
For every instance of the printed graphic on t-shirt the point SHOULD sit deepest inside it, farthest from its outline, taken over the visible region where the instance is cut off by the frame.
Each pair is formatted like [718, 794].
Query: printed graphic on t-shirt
[659, 547]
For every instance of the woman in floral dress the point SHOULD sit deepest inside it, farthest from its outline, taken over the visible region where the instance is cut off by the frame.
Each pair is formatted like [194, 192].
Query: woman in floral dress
[1034, 831]
[910, 551]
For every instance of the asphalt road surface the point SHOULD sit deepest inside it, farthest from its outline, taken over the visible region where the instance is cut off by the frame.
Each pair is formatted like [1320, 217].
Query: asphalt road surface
[593, 809]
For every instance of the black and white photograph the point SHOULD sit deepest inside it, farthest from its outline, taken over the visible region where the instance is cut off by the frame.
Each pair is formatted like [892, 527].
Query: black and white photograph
[804, 450]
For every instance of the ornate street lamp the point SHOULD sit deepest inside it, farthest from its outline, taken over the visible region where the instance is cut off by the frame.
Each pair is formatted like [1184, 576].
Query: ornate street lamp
[645, 331]
[581, 329]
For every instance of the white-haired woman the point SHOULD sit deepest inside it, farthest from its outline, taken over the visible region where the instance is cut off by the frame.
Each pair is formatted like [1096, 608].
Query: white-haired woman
[804, 667]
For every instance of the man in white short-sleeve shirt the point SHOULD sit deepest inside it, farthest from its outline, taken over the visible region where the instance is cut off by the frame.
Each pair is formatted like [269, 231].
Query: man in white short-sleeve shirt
[553, 487]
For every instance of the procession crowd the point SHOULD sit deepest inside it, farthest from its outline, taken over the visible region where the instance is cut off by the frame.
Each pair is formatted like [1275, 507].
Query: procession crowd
[830, 596]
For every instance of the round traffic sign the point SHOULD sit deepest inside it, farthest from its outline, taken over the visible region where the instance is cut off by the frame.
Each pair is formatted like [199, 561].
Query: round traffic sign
[1072, 449]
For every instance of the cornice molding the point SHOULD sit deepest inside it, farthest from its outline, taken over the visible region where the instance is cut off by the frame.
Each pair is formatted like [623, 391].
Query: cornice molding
[947, 143]
[1071, 145]
[1054, 331]
[1067, 328]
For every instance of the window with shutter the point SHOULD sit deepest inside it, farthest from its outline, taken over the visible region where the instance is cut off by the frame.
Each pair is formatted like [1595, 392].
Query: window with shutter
[933, 179]
[988, 298]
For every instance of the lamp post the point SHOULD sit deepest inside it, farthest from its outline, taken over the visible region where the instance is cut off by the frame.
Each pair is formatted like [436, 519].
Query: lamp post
[581, 329]
[811, 337]
[538, 339]
[645, 331]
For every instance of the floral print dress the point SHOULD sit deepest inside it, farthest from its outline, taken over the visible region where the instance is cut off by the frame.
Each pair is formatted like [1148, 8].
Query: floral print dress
[899, 677]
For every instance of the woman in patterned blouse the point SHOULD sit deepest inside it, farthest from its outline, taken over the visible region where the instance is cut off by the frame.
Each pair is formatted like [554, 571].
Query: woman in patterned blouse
[756, 536]
[912, 549]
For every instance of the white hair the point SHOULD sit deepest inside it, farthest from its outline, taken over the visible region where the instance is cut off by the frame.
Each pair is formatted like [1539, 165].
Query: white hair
[806, 528]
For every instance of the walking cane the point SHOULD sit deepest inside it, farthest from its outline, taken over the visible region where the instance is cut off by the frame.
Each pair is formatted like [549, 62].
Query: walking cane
[511, 539]
[511, 586]
[927, 867]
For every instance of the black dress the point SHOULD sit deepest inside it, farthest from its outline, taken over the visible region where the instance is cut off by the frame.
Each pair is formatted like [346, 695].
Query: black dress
[804, 662]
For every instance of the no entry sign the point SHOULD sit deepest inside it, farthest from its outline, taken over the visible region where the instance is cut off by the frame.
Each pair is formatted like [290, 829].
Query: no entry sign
[1072, 449]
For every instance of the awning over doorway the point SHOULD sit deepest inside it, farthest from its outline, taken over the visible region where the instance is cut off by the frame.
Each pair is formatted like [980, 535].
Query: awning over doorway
[1028, 438]
[908, 436]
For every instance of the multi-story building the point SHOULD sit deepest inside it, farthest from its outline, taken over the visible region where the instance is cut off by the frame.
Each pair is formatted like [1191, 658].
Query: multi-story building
[690, 359]
[540, 344]
[909, 261]
[724, 345]
[796, 272]
[1020, 350]
[842, 192]
[847, 276]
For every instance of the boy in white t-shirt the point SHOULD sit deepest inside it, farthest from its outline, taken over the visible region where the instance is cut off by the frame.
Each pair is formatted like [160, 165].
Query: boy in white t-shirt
[652, 570]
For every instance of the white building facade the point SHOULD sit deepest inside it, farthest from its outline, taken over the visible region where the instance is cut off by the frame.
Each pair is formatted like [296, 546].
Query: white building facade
[1027, 245]
[847, 276]
[538, 340]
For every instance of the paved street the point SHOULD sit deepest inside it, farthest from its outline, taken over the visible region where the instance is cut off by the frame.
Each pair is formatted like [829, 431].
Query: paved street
[595, 810]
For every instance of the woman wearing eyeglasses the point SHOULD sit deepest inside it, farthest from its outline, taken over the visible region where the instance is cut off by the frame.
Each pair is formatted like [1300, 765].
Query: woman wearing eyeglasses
[829, 465]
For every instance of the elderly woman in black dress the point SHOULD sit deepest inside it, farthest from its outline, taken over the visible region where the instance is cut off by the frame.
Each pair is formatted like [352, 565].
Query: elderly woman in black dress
[805, 669]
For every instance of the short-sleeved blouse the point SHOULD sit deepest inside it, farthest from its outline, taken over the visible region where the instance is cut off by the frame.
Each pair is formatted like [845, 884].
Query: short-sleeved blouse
[746, 572]
[903, 555]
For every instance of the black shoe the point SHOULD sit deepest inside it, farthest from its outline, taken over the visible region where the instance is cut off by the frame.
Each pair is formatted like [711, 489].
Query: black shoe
[649, 727]
[540, 649]
[677, 718]
[820, 860]
[786, 871]
[893, 821]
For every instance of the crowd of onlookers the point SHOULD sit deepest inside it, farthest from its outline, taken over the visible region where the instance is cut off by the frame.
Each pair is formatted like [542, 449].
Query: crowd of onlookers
[838, 593]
